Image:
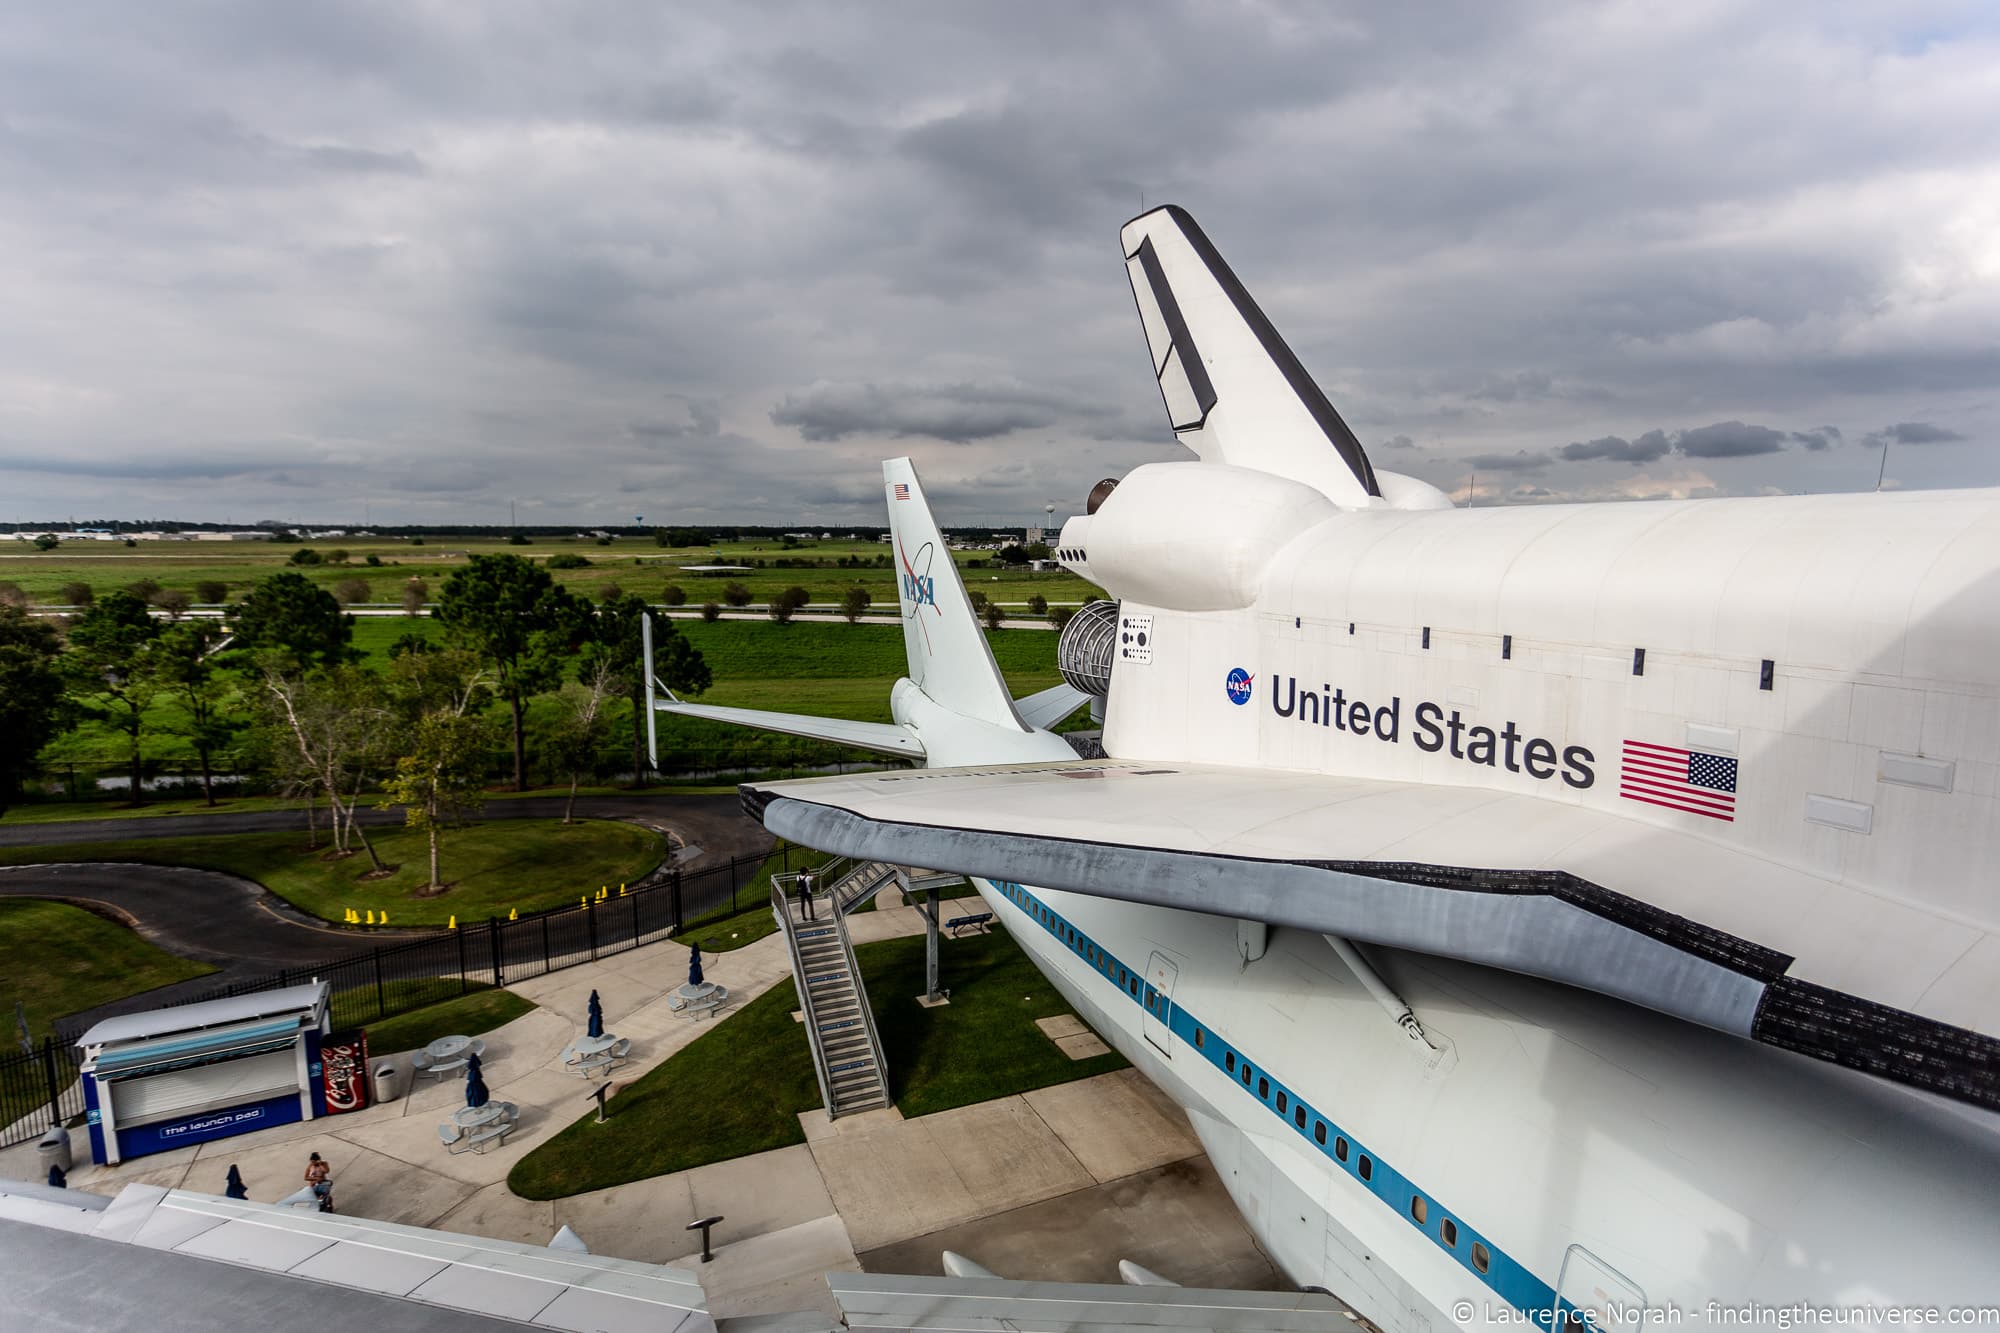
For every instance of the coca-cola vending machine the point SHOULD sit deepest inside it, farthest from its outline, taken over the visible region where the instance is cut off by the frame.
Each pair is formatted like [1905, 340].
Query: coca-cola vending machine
[344, 1071]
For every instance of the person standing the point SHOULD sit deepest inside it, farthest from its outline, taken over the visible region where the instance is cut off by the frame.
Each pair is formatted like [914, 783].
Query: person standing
[805, 895]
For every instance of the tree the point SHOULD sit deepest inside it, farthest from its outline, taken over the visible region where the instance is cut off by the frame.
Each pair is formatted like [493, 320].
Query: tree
[567, 560]
[33, 709]
[211, 592]
[609, 592]
[735, 594]
[677, 664]
[992, 615]
[305, 555]
[579, 731]
[1038, 604]
[977, 598]
[1014, 555]
[785, 603]
[337, 556]
[11, 594]
[351, 591]
[415, 593]
[185, 663]
[77, 594]
[675, 595]
[332, 722]
[439, 771]
[520, 623]
[288, 613]
[711, 612]
[144, 589]
[1060, 616]
[854, 601]
[109, 669]
[47, 541]
[174, 601]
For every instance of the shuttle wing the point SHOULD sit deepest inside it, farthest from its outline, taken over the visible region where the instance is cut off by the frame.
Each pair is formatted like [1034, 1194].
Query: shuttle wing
[1547, 888]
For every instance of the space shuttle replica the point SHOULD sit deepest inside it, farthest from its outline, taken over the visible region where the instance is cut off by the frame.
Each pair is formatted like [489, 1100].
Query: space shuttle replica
[1555, 913]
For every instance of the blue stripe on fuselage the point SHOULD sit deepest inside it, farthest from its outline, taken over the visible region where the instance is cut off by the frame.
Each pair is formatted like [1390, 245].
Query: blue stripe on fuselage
[1508, 1279]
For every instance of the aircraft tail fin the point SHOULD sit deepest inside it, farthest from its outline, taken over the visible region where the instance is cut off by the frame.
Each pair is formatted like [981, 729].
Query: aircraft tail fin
[1234, 391]
[948, 655]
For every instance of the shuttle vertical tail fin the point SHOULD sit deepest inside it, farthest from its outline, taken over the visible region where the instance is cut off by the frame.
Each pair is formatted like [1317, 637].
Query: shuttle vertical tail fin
[948, 655]
[1234, 391]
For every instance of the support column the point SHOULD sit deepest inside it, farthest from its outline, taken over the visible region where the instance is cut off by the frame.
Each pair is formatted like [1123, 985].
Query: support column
[932, 996]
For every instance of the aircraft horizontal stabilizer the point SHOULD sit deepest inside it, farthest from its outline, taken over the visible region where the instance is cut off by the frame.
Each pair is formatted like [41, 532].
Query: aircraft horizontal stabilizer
[1048, 707]
[881, 737]
[1550, 889]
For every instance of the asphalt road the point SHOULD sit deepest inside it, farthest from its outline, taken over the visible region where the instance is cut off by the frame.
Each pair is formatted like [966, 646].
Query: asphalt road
[249, 932]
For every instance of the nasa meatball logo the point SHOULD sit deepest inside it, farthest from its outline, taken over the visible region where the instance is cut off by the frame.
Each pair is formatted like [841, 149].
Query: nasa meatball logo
[1238, 685]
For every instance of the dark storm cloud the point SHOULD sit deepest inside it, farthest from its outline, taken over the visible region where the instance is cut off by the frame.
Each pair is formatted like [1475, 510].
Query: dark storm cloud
[1515, 462]
[959, 413]
[1729, 439]
[1915, 432]
[448, 257]
[1648, 447]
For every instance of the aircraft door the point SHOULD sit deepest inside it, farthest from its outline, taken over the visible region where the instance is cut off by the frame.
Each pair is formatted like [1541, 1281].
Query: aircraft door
[1161, 974]
[1612, 1302]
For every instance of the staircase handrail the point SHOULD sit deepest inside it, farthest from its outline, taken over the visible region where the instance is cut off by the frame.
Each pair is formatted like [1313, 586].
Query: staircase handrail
[782, 906]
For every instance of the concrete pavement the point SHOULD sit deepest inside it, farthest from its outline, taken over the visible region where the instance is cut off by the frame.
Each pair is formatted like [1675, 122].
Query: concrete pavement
[1059, 1183]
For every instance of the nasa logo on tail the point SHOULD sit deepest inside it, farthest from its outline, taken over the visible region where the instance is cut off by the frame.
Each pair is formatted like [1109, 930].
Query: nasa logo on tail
[920, 590]
[1237, 683]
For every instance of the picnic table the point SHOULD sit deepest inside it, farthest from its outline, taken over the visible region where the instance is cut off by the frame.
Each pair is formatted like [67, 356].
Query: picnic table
[446, 1055]
[590, 1055]
[474, 1128]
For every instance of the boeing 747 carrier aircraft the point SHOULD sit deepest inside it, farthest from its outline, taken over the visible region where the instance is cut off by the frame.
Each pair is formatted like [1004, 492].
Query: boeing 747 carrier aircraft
[1584, 909]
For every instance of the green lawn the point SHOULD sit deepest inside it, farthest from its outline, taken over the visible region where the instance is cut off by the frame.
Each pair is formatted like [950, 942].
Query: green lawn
[723, 930]
[521, 864]
[740, 1088]
[480, 1010]
[56, 959]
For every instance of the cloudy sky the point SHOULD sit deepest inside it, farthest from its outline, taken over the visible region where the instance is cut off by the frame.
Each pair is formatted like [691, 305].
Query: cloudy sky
[415, 261]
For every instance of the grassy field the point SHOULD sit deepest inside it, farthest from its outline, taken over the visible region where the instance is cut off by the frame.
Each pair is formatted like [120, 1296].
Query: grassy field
[634, 564]
[56, 960]
[837, 670]
[741, 1088]
[481, 1010]
[520, 864]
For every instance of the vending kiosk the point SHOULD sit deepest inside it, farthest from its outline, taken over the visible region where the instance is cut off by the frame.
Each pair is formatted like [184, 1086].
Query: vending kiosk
[167, 1078]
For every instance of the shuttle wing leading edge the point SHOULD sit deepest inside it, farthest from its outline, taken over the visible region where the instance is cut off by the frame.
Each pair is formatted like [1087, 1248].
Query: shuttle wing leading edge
[1709, 935]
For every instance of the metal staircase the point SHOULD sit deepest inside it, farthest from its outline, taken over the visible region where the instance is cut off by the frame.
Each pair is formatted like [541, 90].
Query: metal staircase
[848, 884]
[847, 1052]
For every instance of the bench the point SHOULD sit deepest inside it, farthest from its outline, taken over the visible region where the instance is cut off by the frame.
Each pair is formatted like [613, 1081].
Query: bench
[974, 921]
[457, 1140]
[706, 1004]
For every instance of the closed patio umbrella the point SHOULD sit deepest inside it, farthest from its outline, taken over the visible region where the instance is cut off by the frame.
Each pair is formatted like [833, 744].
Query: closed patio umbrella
[596, 1026]
[475, 1086]
[233, 1187]
[694, 966]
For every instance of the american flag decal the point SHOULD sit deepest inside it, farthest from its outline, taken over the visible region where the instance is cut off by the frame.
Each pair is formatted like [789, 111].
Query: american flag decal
[1688, 780]
[902, 490]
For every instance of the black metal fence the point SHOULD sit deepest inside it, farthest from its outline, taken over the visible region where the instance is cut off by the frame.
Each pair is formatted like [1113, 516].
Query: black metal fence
[396, 978]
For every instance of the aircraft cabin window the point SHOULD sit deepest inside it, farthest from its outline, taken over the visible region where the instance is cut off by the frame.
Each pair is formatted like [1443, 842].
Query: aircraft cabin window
[1282, 1103]
[1419, 1209]
[1506, 647]
[1481, 1260]
[1199, 1039]
[1366, 1167]
[1448, 1233]
[1319, 1131]
[1427, 636]
[1263, 1089]
[1246, 1075]
[1340, 1149]
[1299, 1119]
[1229, 1061]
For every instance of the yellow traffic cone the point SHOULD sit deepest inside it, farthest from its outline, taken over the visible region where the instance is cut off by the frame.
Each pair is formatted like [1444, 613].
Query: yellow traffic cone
[453, 923]
[385, 918]
[621, 890]
[371, 916]
[511, 914]
[584, 901]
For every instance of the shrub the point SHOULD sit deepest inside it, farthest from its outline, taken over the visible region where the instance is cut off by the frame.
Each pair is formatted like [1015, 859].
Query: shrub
[568, 560]
[518, 540]
[144, 589]
[1060, 615]
[211, 592]
[47, 541]
[11, 595]
[174, 601]
[1038, 604]
[710, 611]
[305, 555]
[374, 560]
[337, 556]
[351, 591]
[991, 615]
[853, 602]
[609, 592]
[78, 594]
[977, 598]
[416, 541]
[735, 594]
[675, 595]
[415, 593]
[604, 541]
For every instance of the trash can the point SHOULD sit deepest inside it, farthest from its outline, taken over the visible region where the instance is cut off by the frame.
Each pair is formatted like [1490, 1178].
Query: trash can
[388, 1082]
[54, 1149]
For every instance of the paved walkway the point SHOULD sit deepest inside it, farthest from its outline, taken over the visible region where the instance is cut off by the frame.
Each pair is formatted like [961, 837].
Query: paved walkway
[1077, 1157]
